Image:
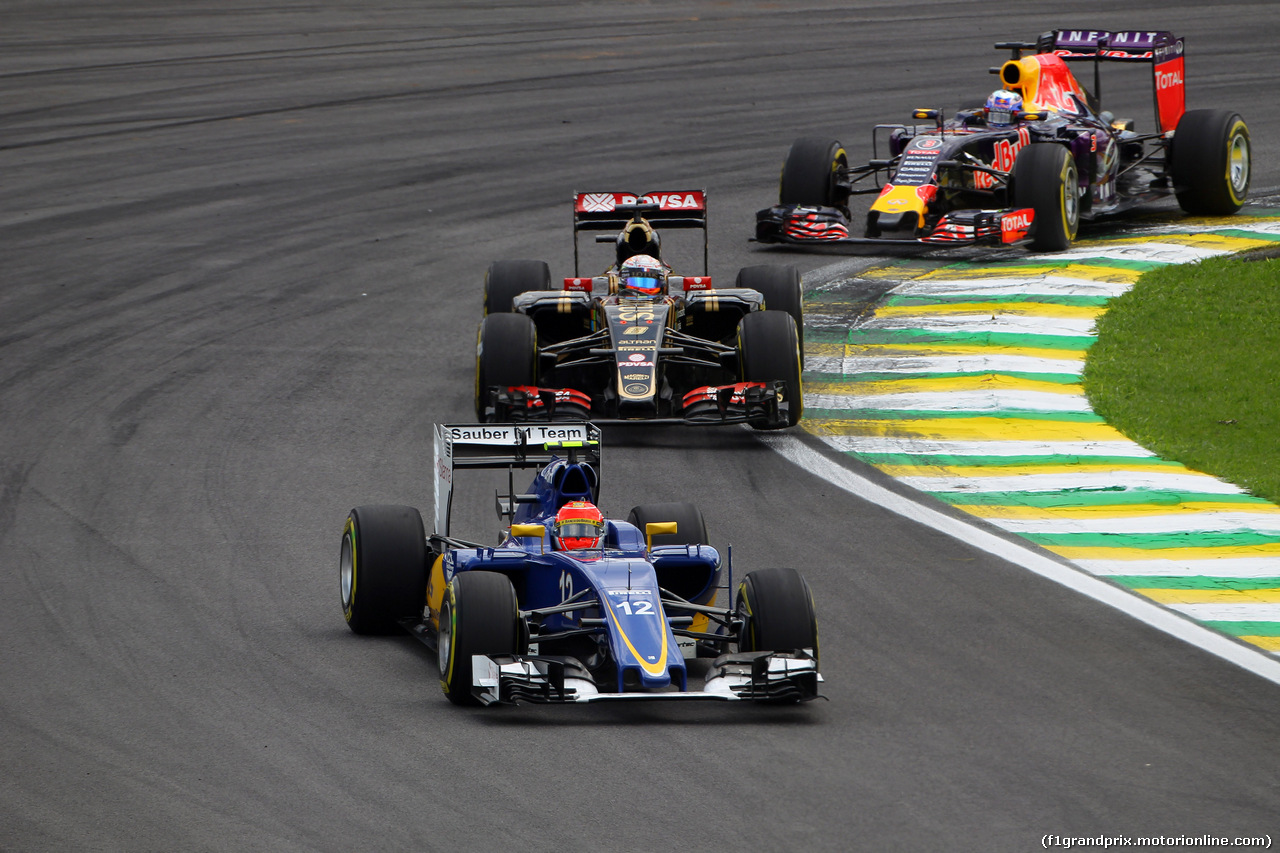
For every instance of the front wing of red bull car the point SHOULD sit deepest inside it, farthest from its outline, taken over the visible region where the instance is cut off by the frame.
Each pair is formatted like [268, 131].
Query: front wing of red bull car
[631, 617]
[1032, 177]
[687, 351]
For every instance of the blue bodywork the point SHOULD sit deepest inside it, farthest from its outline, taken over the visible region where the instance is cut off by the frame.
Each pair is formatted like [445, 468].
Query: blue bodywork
[618, 588]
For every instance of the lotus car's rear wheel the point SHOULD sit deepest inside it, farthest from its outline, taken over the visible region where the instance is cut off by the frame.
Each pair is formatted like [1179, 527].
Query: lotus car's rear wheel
[506, 280]
[691, 528]
[1045, 178]
[809, 173]
[769, 351]
[780, 286]
[506, 355]
[775, 607]
[1211, 162]
[478, 617]
[382, 568]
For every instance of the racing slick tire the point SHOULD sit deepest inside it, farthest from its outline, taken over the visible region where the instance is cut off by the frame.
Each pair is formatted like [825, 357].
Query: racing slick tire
[691, 527]
[780, 286]
[775, 609]
[809, 173]
[505, 280]
[769, 351]
[1211, 162]
[382, 568]
[1046, 179]
[506, 354]
[479, 616]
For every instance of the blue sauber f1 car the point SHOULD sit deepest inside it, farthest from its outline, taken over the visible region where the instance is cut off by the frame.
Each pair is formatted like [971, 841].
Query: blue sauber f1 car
[1025, 168]
[552, 614]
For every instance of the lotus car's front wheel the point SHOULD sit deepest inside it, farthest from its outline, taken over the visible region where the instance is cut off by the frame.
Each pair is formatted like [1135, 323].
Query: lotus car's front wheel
[506, 355]
[769, 351]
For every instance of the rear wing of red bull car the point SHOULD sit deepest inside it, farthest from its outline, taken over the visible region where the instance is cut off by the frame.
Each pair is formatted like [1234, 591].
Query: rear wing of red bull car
[1163, 50]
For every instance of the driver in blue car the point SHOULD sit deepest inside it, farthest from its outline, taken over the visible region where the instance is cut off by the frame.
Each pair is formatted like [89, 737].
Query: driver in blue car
[578, 526]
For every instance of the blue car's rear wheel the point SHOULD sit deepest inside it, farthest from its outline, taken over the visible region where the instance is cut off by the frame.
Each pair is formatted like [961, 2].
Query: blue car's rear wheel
[691, 528]
[775, 607]
[479, 616]
[382, 568]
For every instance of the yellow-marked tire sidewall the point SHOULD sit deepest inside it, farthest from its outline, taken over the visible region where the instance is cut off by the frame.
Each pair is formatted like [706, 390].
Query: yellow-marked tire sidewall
[1070, 183]
[449, 612]
[349, 542]
[1238, 129]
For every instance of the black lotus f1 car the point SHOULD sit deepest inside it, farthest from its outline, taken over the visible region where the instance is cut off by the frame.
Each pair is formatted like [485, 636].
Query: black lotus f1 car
[685, 351]
[1060, 160]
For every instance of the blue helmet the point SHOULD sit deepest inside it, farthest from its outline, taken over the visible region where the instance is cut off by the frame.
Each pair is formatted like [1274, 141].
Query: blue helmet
[1002, 108]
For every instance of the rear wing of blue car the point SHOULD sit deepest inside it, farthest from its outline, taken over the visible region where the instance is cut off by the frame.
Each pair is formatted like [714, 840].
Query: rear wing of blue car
[1162, 49]
[509, 446]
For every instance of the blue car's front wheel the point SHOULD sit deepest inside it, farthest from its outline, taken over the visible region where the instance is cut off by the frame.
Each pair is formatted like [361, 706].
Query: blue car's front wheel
[775, 608]
[478, 617]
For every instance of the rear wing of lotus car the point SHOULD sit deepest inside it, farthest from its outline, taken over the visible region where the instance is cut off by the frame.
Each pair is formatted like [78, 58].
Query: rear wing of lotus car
[1163, 50]
[507, 446]
[664, 209]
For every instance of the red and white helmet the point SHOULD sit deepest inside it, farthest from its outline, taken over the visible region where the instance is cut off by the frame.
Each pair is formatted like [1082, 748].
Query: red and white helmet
[579, 525]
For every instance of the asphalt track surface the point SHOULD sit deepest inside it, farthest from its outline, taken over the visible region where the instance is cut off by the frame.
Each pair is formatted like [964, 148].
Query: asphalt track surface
[241, 252]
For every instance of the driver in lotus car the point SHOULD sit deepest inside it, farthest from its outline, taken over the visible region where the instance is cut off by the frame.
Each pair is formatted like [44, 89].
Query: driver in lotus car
[642, 276]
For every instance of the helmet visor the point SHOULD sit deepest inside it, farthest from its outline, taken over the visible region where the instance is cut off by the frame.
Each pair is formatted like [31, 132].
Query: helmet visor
[579, 528]
[647, 286]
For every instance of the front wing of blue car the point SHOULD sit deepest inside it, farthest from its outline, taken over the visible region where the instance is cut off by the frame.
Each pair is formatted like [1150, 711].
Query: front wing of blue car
[770, 677]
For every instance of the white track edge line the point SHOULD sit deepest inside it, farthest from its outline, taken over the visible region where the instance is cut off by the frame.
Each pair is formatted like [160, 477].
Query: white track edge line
[1256, 661]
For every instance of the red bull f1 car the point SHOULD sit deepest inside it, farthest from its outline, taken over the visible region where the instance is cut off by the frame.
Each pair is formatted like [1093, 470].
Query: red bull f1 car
[1027, 175]
[639, 342]
[620, 612]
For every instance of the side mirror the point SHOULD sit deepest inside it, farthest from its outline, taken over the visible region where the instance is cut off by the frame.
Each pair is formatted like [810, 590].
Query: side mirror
[657, 528]
[529, 530]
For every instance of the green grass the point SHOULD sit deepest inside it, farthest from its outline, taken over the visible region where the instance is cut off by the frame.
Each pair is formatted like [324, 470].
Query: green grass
[1187, 364]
